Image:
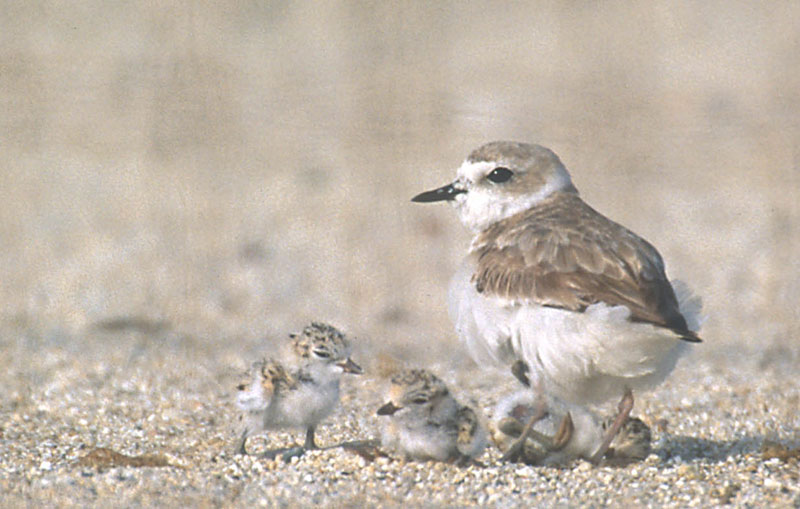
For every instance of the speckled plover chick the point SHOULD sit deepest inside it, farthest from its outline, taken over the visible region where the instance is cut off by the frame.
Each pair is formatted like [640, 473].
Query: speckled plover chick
[632, 443]
[276, 397]
[563, 432]
[425, 422]
[583, 303]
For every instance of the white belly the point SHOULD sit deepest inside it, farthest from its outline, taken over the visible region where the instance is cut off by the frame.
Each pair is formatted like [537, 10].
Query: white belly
[585, 357]
[415, 439]
[305, 406]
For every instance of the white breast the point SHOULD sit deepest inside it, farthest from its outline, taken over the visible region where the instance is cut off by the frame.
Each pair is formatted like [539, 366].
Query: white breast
[484, 328]
[416, 439]
[307, 405]
[583, 357]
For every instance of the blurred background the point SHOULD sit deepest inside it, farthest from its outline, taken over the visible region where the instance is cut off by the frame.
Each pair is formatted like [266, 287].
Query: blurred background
[228, 171]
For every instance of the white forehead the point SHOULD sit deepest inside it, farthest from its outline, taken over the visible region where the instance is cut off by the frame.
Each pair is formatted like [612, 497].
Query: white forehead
[474, 171]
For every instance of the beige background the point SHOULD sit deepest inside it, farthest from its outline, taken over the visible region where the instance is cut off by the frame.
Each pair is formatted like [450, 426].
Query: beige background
[179, 182]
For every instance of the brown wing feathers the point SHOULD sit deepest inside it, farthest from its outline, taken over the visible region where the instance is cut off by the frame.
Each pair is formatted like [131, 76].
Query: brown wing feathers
[577, 264]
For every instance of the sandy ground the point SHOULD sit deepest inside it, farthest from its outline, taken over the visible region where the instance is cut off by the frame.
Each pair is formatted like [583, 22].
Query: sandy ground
[182, 187]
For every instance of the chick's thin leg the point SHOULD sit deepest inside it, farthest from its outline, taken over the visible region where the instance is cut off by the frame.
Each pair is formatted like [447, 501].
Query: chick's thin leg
[240, 448]
[310, 444]
[516, 447]
[624, 410]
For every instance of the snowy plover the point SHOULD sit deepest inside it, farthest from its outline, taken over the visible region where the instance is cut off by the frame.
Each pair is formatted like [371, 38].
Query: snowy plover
[425, 422]
[562, 432]
[275, 397]
[564, 295]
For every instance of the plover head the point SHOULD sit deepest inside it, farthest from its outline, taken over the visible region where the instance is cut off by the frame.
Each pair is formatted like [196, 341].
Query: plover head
[323, 344]
[500, 179]
[418, 392]
[632, 443]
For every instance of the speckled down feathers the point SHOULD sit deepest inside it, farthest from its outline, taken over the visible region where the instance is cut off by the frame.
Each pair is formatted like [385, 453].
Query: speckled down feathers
[300, 396]
[427, 423]
[322, 336]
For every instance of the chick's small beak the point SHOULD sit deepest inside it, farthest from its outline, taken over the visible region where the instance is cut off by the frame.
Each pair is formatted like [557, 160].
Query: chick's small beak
[388, 409]
[350, 367]
[448, 193]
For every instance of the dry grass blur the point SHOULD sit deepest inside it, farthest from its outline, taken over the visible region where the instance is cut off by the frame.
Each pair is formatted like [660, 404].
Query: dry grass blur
[228, 173]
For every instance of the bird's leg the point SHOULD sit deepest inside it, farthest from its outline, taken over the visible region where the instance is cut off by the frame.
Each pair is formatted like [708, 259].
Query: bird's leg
[513, 428]
[287, 453]
[240, 449]
[564, 433]
[309, 445]
[517, 445]
[520, 371]
[624, 410]
[299, 450]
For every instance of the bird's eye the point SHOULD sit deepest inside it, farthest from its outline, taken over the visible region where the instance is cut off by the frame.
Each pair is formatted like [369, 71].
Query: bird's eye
[419, 401]
[500, 175]
[322, 353]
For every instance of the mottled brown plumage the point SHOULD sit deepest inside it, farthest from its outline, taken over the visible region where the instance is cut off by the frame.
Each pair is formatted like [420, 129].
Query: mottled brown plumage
[275, 375]
[578, 305]
[318, 336]
[562, 253]
[423, 421]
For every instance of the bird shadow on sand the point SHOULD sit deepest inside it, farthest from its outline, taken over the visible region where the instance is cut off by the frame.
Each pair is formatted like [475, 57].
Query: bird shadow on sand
[717, 451]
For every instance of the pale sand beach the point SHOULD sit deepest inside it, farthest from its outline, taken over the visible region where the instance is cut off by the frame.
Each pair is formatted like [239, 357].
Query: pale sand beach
[182, 187]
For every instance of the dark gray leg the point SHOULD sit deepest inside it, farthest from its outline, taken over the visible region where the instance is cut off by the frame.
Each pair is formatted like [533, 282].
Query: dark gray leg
[240, 449]
[309, 445]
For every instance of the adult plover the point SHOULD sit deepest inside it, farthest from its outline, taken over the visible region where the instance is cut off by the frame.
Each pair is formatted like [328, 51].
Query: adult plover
[579, 306]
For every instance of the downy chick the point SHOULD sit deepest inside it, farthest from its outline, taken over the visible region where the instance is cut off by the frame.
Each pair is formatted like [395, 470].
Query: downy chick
[278, 398]
[425, 422]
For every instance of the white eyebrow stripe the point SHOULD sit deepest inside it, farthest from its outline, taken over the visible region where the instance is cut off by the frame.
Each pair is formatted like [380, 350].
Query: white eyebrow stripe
[474, 171]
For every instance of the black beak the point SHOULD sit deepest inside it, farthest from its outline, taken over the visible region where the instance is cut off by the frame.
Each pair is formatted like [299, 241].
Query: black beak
[447, 192]
[388, 409]
[348, 366]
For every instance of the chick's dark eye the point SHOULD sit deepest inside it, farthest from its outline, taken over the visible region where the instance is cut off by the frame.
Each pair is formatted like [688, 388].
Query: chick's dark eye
[321, 353]
[419, 401]
[500, 175]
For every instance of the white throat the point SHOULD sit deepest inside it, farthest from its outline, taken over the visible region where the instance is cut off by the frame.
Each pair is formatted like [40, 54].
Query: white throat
[324, 373]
